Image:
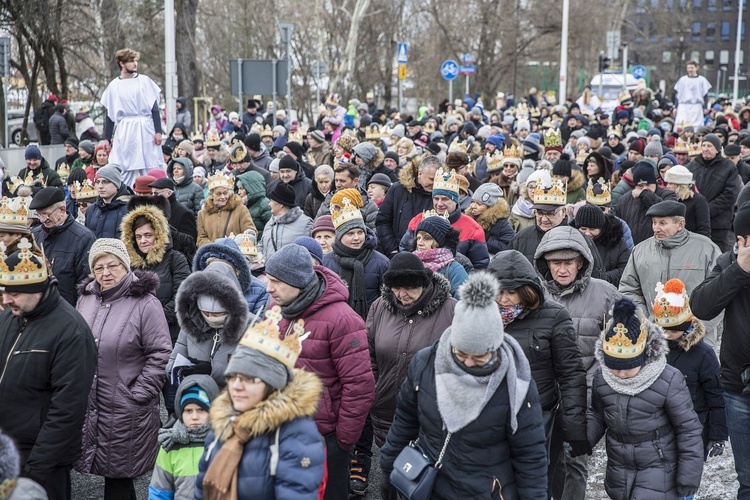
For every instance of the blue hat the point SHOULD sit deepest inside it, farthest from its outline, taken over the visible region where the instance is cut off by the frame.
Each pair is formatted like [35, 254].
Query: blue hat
[312, 246]
[197, 395]
[33, 152]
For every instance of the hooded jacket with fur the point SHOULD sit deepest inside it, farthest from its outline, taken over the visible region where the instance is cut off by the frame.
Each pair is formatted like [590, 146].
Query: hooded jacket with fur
[497, 230]
[187, 192]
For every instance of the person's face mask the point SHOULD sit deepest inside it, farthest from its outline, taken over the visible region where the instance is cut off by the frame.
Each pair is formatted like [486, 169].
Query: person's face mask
[215, 321]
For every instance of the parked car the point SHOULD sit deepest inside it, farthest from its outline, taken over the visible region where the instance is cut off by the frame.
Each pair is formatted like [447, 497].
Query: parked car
[15, 126]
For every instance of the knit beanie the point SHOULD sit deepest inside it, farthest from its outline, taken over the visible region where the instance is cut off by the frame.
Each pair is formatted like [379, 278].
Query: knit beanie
[296, 149]
[393, 156]
[672, 306]
[284, 194]
[437, 227]
[381, 180]
[87, 146]
[325, 171]
[714, 140]
[287, 162]
[312, 246]
[590, 216]
[742, 220]
[531, 145]
[624, 338]
[292, 265]
[317, 136]
[407, 271]
[366, 151]
[187, 146]
[112, 173]
[562, 168]
[643, 172]
[197, 396]
[254, 363]
[489, 194]
[456, 160]
[322, 223]
[477, 326]
[33, 152]
[638, 145]
[274, 165]
[354, 197]
[653, 148]
[110, 246]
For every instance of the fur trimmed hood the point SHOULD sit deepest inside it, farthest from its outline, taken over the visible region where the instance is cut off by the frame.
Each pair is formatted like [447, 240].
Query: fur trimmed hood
[225, 289]
[612, 233]
[442, 290]
[297, 400]
[407, 176]
[225, 249]
[690, 340]
[489, 218]
[233, 202]
[656, 344]
[577, 181]
[161, 232]
[144, 283]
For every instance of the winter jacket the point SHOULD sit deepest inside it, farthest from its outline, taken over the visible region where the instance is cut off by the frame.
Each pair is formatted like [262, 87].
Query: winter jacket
[321, 154]
[286, 414]
[45, 174]
[284, 229]
[497, 230]
[104, 219]
[336, 351]
[697, 215]
[301, 185]
[132, 337]
[633, 211]
[717, 181]
[402, 202]
[257, 203]
[226, 249]
[485, 459]
[374, 268]
[686, 256]
[668, 449]
[168, 264]
[183, 114]
[548, 338]
[182, 219]
[576, 187]
[215, 222]
[58, 129]
[394, 338]
[588, 300]
[697, 361]
[186, 191]
[726, 289]
[47, 363]
[314, 201]
[263, 160]
[67, 249]
[198, 340]
[471, 241]
[613, 249]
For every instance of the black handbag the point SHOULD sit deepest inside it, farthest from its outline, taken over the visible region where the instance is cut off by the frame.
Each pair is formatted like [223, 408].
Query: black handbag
[413, 473]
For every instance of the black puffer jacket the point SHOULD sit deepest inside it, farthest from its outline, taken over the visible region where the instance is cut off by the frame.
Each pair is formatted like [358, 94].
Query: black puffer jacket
[633, 211]
[717, 181]
[548, 338]
[697, 215]
[612, 248]
[484, 460]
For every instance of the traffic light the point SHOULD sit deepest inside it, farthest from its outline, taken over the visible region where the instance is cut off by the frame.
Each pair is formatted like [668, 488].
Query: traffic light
[603, 62]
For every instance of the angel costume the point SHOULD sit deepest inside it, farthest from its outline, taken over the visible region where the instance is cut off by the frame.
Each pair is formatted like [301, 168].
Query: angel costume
[690, 94]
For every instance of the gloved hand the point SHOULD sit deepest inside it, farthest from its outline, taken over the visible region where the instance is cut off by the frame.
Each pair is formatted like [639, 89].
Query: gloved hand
[715, 448]
[387, 491]
[579, 448]
[686, 491]
[199, 367]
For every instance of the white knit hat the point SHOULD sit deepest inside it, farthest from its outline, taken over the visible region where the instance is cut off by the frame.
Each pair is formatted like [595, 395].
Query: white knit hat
[109, 246]
[679, 175]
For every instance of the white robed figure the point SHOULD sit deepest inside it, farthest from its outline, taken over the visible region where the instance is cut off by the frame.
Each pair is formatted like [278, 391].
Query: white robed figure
[133, 123]
[691, 91]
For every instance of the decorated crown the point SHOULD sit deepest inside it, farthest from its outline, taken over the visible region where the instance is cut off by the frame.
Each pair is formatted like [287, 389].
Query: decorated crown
[615, 130]
[458, 147]
[552, 138]
[212, 138]
[14, 182]
[197, 136]
[247, 242]
[265, 336]
[513, 152]
[385, 132]
[13, 211]
[220, 180]
[598, 193]
[373, 133]
[239, 153]
[84, 190]
[296, 136]
[555, 194]
[267, 131]
[694, 150]
[522, 111]
[429, 127]
[30, 268]
[581, 156]
[63, 171]
[548, 123]
[672, 304]
[30, 180]
[445, 180]
[535, 112]
[620, 346]
[494, 161]
[333, 99]
[344, 212]
[681, 147]
[432, 213]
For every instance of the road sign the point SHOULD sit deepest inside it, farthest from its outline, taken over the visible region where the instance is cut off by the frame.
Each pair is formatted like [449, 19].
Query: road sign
[257, 77]
[468, 70]
[467, 59]
[402, 71]
[449, 70]
[639, 72]
[613, 44]
[402, 53]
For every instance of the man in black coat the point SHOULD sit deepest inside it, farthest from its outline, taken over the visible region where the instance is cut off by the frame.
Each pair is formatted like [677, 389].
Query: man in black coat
[179, 216]
[47, 364]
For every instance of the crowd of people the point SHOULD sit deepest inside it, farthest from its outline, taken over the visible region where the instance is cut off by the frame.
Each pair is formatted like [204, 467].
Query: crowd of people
[496, 287]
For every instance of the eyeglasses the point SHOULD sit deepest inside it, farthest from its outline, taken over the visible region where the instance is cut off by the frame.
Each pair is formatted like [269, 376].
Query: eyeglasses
[111, 268]
[546, 215]
[81, 204]
[477, 360]
[145, 236]
[243, 378]
[46, 215]
[221, 194]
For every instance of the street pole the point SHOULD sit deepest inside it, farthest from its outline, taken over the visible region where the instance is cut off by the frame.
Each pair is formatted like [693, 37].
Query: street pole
[273, 79]
[239, 85]
[563, 82]
[624, 65]
[170, 63]
[317, 84]
[467, 86]
[6, 73]
[736, 89]
[285, 30]
[450, 92]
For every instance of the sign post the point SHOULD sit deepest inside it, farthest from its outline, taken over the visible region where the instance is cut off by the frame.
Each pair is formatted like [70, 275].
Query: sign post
[402, 57]
[5, 61]
[286, 29]
[449, 71]
[639, 72]
[467, 68]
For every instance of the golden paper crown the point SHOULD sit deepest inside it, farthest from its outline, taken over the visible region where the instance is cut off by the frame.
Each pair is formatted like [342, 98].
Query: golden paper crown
[445, 180]
[432, 213]
[197, 136]
[345, 212]
[682, 124]
[14, 182]
[239, 153]
[385, 132]
[429, 127]
[212, 138]
[265, 336]
[458, 147]
[267, 131]
[614, 130]
[522, 111]
[547, 123]
[681, 147]
[494, 161]
[373, 133]
[256, 128]
[84, 191]
[63, 171]
[672, 304]
[694, 150]
[13, 211]
[552, 138]
[247, 242]
[603, 197]
[455, 114]
[581, 156]
[30, 268]
[535, 112]
[620, 346]
[513, 152]
[30, 180]
[296, 136]
[555, 194]
[220, 180]
[333, 99]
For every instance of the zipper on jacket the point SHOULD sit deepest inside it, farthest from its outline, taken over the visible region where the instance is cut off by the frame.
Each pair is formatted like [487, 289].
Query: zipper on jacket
[215, 346]
[13, 348]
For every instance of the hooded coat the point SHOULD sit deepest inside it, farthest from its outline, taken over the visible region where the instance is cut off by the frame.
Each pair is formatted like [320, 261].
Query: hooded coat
[132, 337]
[301, 455]
[197, 339]
[576, 189]
[391, 333]
[218, 222]
[105, 219]
[187, 192]
[587, 299]
[321, 154]
[257, 203]
[284, 229]
[658, 462]
[613, 249]
[170, 266]
[497, 230]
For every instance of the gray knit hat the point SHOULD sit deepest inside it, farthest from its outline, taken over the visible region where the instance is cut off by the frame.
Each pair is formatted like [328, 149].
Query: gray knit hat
[87, 146]
[253, 363]
[292, 265]
[488, 193]
[477, 326]
[111, 246]
[112, 172]
[653, 148]
[366, 151]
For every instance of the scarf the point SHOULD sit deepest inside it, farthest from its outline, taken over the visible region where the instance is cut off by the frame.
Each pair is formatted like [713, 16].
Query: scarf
[180, 434]
[215, 322]
[418, 304]
[220, 481]
[307, 296]
[352, 263]
[676, 240]
[635, 385]
[509, 313]
[436, 258]
[522, 208]
[461, 396]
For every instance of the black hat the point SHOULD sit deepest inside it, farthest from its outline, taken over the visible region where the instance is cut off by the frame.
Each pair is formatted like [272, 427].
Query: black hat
[742, 220]
[745, 142]
[283, 193]
[71, 141]
[406, 270]
[166, 150]
[296, 149]
[252, 141]
[365, 121]
[562, 167]
[163, 183]
[252, 103]
[46, 198]
[643, 171]
[288, 162]
[731, 150]
[590, 216]
[393, 156]
[433, 148]
[667, 208]
[414, 123]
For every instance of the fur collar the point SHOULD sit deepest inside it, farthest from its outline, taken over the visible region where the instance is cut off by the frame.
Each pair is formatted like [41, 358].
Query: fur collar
[161, 231]
[407, 176]
[144, 283]
[442, 291]
[577, 181]
[232, 203]
[692, 339]
[493, 214]
[292, 215]
[297, 400]
[611, 234]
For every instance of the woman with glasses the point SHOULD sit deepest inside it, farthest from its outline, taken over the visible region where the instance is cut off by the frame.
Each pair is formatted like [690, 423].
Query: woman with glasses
[132, 338]
[223, 212]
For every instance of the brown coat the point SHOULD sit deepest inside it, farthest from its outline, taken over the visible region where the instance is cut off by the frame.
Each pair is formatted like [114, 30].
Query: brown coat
[215, 222]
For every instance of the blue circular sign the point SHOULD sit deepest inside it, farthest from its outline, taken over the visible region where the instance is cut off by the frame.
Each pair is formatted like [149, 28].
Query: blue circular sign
[639, 72]
[449, 70]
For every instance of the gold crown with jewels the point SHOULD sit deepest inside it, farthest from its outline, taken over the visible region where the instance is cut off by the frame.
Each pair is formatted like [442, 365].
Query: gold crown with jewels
[445, 180]
[373, 133]
[555, 194]
[13, 211]
[552, 138]
[598, 193]
[30, 268]
[220, 180]
[620, 346]
[265, 336]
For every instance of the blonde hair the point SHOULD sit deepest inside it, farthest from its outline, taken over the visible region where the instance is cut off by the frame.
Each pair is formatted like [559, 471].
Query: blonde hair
[684, 192]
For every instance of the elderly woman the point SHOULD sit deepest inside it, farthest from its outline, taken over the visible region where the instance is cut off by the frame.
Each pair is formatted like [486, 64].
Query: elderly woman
[697, 216]
[521, 214]
[321, 186]
[264, 442]
[223, 212]
[132, 338]
[324, 233]
[472, 404]
[287, 223]
[436, 248]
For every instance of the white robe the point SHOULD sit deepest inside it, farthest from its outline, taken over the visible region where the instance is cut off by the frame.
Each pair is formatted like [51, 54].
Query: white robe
[690, 94]
[129, 102]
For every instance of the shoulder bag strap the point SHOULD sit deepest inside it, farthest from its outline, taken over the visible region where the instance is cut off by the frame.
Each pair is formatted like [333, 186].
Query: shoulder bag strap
[439, 462]
[226, 224]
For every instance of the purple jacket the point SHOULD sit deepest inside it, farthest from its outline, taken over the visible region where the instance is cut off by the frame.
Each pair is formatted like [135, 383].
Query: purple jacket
[132, 337]
[337, 352]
